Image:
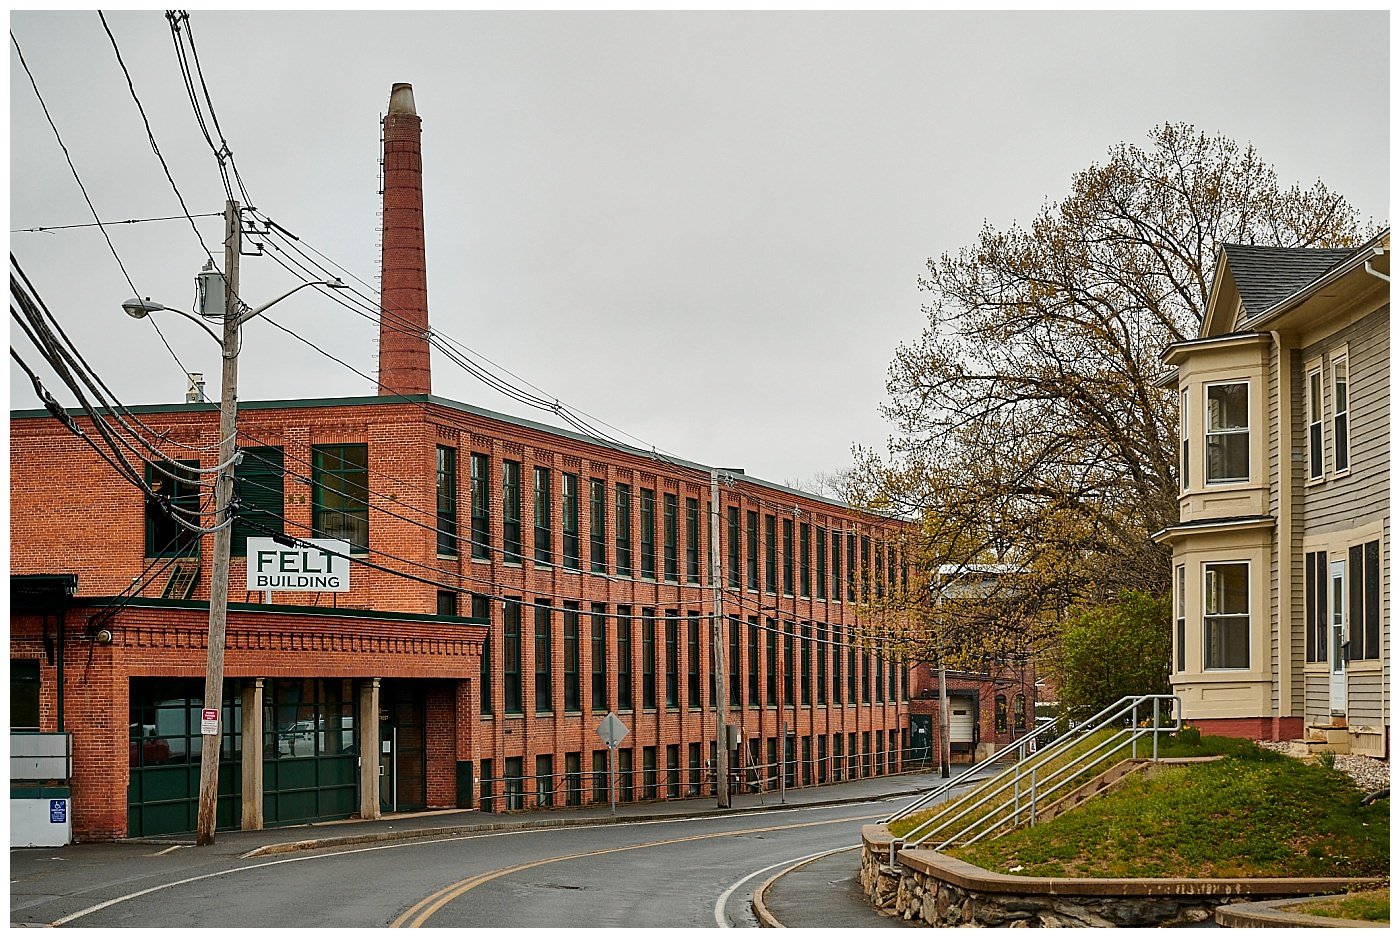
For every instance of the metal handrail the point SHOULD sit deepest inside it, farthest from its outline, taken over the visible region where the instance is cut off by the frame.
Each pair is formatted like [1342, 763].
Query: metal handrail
[1010, 779]
[1018, 750]
[1037, 791]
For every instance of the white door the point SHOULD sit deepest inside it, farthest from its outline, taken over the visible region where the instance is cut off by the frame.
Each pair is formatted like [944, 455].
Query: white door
[1337, 634]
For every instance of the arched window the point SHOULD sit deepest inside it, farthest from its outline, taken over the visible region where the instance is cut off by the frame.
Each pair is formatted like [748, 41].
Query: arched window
[1019, 712]
[1001, 715]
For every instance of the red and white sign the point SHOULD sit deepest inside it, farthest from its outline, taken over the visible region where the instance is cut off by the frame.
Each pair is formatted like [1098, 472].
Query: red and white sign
[209, 722]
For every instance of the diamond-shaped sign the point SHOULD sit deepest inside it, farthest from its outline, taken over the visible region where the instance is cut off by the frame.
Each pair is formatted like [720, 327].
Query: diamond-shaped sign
[611, 731]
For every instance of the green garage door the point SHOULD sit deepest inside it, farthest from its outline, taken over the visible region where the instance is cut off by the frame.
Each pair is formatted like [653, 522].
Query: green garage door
[165, 745]
[310, 756]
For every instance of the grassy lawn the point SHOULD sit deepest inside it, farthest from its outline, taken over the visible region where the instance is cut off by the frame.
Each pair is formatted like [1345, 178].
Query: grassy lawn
[1254, 813]
[1373, 906]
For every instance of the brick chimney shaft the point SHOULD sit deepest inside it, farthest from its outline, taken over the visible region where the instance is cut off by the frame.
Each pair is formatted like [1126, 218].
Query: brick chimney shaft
[404, 362]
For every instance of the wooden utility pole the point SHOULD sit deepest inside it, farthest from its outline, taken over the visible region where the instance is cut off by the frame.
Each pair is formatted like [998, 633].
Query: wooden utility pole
[945, 746]
[717, 650]
[212, 742]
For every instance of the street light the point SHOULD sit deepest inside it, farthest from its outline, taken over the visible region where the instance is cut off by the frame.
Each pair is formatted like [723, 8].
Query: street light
[234, 317]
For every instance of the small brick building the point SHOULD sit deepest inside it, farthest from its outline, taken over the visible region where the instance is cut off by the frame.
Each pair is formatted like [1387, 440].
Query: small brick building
[987, 710]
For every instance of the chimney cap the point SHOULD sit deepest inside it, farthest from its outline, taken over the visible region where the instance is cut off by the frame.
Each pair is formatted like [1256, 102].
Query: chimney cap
[401, 99]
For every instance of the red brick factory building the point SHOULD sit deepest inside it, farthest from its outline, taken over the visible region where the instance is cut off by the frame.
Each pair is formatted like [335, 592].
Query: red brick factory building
[512, 583]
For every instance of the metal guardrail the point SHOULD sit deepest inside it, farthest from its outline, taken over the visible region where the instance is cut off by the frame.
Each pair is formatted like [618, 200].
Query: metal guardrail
[1015, 796]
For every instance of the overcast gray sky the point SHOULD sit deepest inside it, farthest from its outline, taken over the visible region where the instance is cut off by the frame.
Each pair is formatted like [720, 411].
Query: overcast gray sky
[705, 229]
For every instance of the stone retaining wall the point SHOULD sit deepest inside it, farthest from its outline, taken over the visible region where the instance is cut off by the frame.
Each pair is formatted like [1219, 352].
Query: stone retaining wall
[930, 888]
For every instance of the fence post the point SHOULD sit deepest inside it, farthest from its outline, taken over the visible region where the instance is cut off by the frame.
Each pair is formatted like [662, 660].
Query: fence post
[1156, 724]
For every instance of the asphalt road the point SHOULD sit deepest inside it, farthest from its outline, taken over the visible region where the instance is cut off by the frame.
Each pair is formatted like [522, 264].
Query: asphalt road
[679, 873]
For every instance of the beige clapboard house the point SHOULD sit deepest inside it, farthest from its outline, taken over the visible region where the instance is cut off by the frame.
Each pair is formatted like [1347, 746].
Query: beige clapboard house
[1280, 559]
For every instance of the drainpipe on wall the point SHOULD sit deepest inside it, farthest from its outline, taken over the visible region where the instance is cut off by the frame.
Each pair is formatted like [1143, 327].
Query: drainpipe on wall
[1284, 357]
[1380, 252]
[58, 663]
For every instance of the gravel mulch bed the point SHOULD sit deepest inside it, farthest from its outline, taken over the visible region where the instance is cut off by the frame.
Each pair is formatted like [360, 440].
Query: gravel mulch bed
[1370, 774]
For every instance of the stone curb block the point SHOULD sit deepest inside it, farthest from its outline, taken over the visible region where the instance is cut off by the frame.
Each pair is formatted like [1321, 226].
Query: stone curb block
[1275, 915]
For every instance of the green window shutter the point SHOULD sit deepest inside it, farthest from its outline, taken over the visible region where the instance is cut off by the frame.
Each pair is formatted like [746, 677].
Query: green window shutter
[258, 481]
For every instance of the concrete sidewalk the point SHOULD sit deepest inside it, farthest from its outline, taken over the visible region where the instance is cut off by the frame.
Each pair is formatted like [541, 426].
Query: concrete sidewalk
[820, 893]
[454, 821]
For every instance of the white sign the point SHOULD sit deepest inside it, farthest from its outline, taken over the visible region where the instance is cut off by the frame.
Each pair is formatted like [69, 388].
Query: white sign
[611, 731]
[209, 722]
[321, 567]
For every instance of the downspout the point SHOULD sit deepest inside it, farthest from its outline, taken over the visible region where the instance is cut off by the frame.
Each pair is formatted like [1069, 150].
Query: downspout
[1284, 364]
[1380, 251]
[58, 663]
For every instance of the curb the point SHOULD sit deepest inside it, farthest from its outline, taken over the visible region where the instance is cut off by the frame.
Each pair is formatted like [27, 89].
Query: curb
[320, 843]
[1273, 914]
[766, 919]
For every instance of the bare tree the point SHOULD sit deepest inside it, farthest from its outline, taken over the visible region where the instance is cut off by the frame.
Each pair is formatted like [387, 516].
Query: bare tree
[1032, 430]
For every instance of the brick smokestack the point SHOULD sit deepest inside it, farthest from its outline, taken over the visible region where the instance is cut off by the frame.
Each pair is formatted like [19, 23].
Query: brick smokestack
[404, 364]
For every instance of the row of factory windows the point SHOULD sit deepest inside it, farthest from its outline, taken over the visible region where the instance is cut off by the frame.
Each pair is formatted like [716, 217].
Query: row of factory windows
[660, 658]
[804, 551]
[760, 766]
[805, 560]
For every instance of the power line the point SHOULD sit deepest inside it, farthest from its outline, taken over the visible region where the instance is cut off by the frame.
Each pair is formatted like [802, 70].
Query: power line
[151, 137]
[124, 221]
[83, 188]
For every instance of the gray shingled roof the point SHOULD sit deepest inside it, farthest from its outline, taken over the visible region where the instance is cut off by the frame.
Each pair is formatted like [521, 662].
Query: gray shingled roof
[1267, 275]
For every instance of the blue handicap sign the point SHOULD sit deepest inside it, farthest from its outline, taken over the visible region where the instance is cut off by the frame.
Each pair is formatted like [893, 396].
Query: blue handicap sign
[58, 811]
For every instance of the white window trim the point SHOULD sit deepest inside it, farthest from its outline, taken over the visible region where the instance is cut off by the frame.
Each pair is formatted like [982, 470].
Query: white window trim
[1184, 442]
[1179, 630]
[1314, 369]
[1247, 430]
[1340, 356]
[1250, 614]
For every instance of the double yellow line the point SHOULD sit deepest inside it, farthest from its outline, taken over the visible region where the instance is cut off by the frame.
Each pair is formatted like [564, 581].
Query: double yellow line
[419, 913]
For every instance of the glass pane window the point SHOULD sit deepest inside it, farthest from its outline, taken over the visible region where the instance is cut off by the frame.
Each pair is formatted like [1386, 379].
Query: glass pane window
[1341, 434]
[544, 540]
[481, 506]
[692, 540]
[544, 656]
[571, 657]
[176, 495]
[510, 511]
[731, 534]
[1184, 418]
[597, 519]
[1180, 618]
[569, 494]
[1315, 425]
[668, 535]
[598, 637]
[340, 494]
[622, 497]
[447, 501]
[648, 533]
[1227, 432]
[1226, 619]
[511, 655]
